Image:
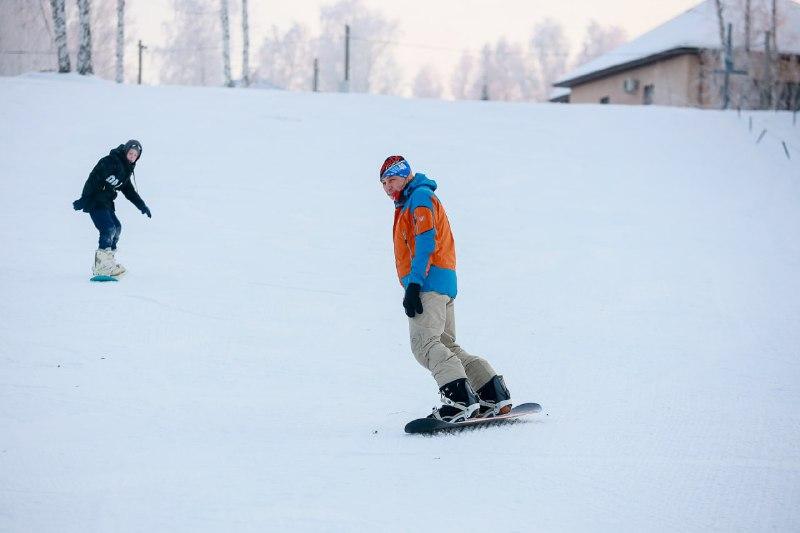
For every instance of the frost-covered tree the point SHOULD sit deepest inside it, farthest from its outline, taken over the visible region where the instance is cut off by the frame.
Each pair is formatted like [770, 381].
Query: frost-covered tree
[373, 67]
[192, 54]
[49, 32]
[486, 68]
[60, 34]
[226, 43]
[104, 26]
[285, 60]
[84, 63]
[549, 51]
[598, 40]
[463, 81]
[765, 85]
[427, 83]
[503, 73]
[27, 38]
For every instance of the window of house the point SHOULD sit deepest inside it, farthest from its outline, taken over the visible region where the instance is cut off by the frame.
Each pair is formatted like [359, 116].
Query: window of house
[605, 100]
[788, 96]
[649, 91]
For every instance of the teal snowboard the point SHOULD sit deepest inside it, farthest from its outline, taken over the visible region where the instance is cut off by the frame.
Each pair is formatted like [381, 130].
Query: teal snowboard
[103, 278]
[430, 426]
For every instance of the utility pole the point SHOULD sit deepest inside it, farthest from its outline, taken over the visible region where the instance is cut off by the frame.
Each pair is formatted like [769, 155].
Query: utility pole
[728, 70]
[316, 75]
[347, 58]
[141, 47]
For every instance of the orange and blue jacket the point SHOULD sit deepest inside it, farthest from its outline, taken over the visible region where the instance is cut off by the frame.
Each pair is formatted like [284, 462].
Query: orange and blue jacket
[424, 250]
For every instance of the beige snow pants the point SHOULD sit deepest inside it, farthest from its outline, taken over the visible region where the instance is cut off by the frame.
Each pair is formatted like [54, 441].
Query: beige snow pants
[433, 342]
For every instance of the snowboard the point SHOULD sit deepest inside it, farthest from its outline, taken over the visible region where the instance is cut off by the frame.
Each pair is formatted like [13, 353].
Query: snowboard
[103, 278]
[430, 426]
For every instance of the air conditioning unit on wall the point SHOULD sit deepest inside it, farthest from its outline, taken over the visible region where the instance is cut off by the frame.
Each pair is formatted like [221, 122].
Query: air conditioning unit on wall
[630, 85]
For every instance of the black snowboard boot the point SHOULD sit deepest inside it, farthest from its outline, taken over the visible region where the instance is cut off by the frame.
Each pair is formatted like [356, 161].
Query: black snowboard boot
[460, 402]
[494, 398]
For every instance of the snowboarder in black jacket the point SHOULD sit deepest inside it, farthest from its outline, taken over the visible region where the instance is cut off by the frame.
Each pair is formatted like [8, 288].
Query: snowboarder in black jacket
[113, 172]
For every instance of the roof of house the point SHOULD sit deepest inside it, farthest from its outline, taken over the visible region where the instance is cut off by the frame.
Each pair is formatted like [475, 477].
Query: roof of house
[559, 94]
[693, 30]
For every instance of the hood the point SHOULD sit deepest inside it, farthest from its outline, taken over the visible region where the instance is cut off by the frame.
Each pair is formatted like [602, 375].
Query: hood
[121, 152]
[420, 180]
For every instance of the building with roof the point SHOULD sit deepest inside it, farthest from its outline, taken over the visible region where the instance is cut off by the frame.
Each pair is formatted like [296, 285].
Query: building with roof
[682, 62]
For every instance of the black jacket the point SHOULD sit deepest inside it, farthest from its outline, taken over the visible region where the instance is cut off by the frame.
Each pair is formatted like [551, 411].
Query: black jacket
[111, 173]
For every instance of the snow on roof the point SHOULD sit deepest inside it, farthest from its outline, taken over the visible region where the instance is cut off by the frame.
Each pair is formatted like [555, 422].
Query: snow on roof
[559, 92]
[697, 28]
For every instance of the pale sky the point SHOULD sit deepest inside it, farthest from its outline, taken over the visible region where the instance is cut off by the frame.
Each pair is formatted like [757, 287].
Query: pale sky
[435, 30]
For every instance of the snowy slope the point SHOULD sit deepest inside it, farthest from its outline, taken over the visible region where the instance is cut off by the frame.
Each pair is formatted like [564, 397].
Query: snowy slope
[634, 270]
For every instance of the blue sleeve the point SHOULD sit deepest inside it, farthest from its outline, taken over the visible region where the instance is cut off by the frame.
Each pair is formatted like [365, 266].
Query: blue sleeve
[425, 242]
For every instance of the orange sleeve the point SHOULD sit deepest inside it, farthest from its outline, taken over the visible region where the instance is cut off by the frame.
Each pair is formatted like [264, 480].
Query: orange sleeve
[423, 220]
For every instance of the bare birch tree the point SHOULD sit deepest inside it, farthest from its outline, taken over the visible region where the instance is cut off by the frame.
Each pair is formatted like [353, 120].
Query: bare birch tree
[120, 65]
[549, 50]
[373, 68]
[285, 59]
[192, 52]
[25, 26]
[427, 83]
[598, 40]
[245, 46]
[226, 44]
[463, 80]
[60, 34]
[721, 22]
[85, 49]
[747, 25]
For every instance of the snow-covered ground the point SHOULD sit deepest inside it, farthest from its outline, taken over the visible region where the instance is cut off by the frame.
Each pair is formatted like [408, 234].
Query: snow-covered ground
[634, 270]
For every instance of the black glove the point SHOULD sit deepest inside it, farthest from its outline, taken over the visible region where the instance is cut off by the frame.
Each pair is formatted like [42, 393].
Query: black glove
[78, 204]
[146, 211]
[411, 301]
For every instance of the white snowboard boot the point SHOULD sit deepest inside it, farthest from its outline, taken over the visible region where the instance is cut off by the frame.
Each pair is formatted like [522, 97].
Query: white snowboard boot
[117, 266]
[104, 264]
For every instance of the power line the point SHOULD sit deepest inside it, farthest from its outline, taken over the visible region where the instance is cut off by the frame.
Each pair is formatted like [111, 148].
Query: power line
[25, 52]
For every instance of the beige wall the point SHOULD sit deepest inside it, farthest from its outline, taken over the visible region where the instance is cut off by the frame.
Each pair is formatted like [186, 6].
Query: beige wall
[674, 82]
[692, 80]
